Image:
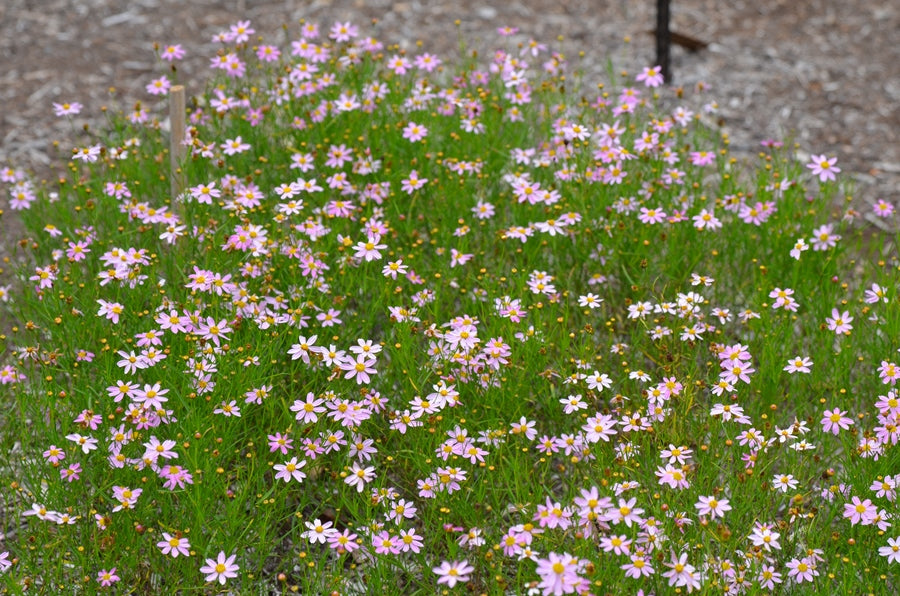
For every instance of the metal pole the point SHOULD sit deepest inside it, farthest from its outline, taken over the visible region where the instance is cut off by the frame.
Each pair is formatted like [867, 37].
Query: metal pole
[663, 39]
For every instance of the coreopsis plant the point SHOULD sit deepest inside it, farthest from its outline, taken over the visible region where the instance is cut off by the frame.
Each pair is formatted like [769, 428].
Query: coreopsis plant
[419, 323]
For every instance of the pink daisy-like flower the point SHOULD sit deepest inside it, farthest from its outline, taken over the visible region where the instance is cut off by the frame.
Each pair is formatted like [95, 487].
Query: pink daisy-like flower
[891, 551]
[651, 76]
[834, 421]
[67, 109]
[220, 569]
[839, 322]
[798, 364]
[860, 512]
[174, 546]
[451, 573]
[652, 216]
[414, 132]
[882, 208]
[712, 507]
[823, 167]
[290, 469]
[159, 86]
[638, 567]
[107, 577]
[558, 573]
[173, 52]
[802, 570]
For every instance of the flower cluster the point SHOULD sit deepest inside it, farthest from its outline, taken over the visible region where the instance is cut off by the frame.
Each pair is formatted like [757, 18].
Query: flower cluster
[404, 316]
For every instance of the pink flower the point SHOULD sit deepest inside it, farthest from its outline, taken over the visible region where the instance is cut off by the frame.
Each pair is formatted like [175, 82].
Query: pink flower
[682, 573]
[839, 322]
[220, 569]
[823, 237]
[67, 109]
[360, 368]
[798, 364]
[620, 544]
[673, 476]
[359, 476]
[279, 442]
[303, 348]
[173, 52]
[784, 482]
[625, 511]
[823, 167]
[110, 310]
[343, 542]
[370, 249]
[427, 62]
[891, 551]
[54, 454]
[172, 545]
[107, 578]
[228, 409]
[88, 154]
[213, 331]
[413, 182]
[835, 421]
[268, 53]
[319, 532]
[341, 32]
[71, 473]
[712, 507]
[458, 258]
[290, 469]
[702, 158]
[451, 573]
[875, 294]
[802, 570]
[235, 145]
[158, 86]
[414, 132]
[638, 567]
[308, 411]
[860, 512]
[763, 537]
[410, 541]
[240, 32]
[552, 515]
[385, 544]
[84, 356]
[651, 77]
[783, 299]
[652, 216]
[882, 208]
[558, 573]
[888, 372]
[706, 220]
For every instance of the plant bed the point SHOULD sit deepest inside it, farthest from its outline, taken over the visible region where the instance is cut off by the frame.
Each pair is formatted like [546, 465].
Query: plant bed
[411, 324]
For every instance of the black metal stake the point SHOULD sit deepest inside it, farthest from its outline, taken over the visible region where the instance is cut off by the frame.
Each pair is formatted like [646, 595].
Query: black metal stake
[663, 39]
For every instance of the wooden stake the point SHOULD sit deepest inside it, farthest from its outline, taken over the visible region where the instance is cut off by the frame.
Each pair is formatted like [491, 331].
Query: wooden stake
[177, 149]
